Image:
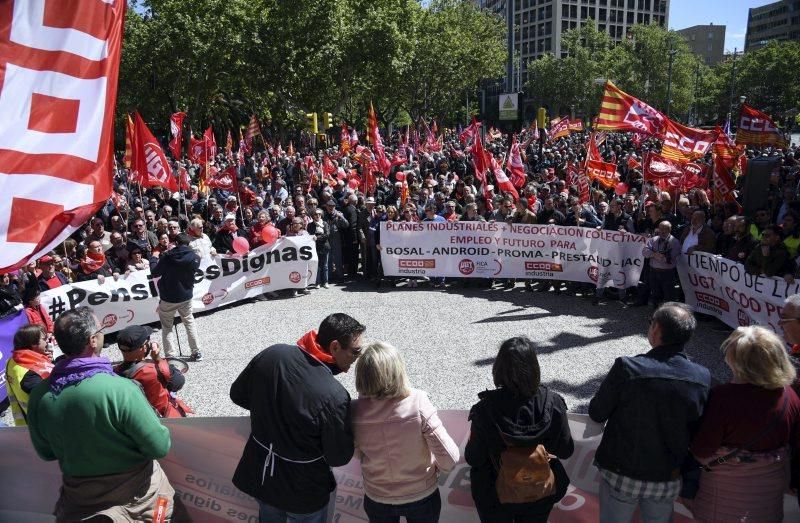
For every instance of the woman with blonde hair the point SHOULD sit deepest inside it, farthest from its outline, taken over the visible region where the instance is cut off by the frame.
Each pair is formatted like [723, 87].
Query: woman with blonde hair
[399, 439]
[747, 427]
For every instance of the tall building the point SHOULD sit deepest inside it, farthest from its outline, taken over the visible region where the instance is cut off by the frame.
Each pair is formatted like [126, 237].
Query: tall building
[706, 41]
[776, 21]
[535, 27]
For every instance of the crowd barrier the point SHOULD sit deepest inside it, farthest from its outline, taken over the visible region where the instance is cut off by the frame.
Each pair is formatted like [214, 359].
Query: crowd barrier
[205, 452]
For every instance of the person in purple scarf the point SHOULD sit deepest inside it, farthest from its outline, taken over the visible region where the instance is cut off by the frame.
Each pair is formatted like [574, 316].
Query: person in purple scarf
[101, 429]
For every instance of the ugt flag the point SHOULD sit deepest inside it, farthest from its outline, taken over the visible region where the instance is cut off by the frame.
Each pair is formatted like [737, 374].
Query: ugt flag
[58, 88]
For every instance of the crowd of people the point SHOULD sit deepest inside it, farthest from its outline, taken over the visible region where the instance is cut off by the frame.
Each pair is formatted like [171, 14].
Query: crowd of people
[684, 428]
[668, 433]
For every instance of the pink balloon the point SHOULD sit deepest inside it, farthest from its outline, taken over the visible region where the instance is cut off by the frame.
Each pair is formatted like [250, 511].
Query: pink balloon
[270, 234]
[621, 189]
[401, 177]
[241, 245]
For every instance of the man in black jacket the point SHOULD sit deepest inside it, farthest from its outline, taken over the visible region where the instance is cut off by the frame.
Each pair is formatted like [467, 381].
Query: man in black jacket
[176, 286]
[300, 421]
[649, 404]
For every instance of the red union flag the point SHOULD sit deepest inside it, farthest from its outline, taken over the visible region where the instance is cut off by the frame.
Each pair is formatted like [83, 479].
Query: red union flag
[59, 63]
[576, 125]
[757, 128]
[559, 128]
[149, 159]
[225, 180]
[603, 172]
[685, 143]
[657, 167]
[176, 129]
[620, 111]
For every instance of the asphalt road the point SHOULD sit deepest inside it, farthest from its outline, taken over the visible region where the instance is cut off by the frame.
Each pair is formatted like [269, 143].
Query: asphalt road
[448, 337]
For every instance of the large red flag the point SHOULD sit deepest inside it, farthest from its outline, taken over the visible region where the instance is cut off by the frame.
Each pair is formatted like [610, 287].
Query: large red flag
[470, 132]
[176, 129]
[503, 183]
[222, 179]
[559, 128]
[597, 169]
[149, 159]
[685, 143]
[58, 91]
[515, 165]
[620, 111]
[657, 167]
[757, 128]
[196, 148]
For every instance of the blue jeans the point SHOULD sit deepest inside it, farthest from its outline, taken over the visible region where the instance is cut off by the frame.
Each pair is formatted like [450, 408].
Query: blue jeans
[616, 507]
[270, 514]
[425, 510]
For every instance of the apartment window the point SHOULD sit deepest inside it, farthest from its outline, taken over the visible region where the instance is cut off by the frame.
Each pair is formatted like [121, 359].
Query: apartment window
[603, 2]
[710, 47]
[601, 14]
[630, 18]
[584, 12]
[601, 28]
[710, 35]
[564, 26]
[548, 11]
[631, 4]
[646, 18]
[640, 4]
[564, 11]
[573, 11]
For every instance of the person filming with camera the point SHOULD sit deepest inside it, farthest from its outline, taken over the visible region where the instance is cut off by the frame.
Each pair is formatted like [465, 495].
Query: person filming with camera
[160, 380]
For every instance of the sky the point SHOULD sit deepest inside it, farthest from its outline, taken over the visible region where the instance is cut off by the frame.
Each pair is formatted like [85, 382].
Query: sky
[730, 13]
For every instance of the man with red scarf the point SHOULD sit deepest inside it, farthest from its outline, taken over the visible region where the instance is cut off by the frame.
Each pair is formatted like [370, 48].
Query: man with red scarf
[34, 310]
[94, 265]
[300, 421]
[30, 363]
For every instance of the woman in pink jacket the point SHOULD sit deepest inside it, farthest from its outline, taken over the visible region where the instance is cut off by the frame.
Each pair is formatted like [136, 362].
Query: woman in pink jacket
[399, 439]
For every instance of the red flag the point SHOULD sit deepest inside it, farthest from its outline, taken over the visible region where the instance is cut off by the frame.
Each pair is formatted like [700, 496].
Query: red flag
[503, 183]
[470, 132]
[225, 179]
[149, 159]
[184, 182]
[209, 145]
[176, 128]
[515, 165]
[620, 111]
[328, 167]
[576, 126]
[597, 169]
[657, 167]
[583, 187]
[196, 149]
[633, 163]
[383, 164]
[685, 143]
[59, 65]
[757, 128]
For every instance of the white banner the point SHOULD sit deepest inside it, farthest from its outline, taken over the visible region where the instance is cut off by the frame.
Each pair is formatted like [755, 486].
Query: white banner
[500, 250]
[289, 263]
[720, 287]
[205, 452]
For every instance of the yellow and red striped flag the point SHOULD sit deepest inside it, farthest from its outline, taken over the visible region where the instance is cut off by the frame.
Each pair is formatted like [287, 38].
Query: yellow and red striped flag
[685, 144]
[757, 128]
[620, 111]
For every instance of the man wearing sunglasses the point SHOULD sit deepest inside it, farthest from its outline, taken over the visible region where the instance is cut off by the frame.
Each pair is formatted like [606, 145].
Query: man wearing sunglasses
[300, 421]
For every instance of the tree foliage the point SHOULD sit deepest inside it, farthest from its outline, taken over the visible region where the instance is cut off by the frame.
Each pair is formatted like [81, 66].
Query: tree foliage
[223, 60]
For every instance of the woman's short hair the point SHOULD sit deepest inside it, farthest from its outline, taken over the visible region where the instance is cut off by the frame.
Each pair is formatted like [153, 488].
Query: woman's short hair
[381, 372]
[28, 336]
[516, 367]
[757, 356]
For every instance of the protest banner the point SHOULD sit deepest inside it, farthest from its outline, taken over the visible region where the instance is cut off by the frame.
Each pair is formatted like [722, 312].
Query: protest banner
[289, 263]
[205, 452]
[501, 250]
[722, 288]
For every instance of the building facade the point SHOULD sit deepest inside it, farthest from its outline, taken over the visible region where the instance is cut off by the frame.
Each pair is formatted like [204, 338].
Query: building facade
[706, 41]
[776, 21]
[536, 26]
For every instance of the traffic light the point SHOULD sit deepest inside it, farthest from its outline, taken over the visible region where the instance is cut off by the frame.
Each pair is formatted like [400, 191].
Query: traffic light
[327, 121]
[311, 123]
[541, 117]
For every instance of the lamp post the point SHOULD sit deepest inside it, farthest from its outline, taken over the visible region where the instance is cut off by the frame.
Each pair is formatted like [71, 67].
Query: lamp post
[733, 83]
[672, 53]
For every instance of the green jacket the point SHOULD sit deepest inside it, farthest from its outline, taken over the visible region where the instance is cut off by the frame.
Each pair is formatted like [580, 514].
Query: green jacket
[103, 425]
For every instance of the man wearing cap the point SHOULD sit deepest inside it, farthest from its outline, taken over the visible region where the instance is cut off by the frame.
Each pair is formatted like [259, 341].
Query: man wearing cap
[50, 278]
[159, 379]
[176, 287]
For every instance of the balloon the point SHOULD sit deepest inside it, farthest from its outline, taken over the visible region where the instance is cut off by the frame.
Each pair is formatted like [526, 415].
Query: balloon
[270, 234]
[401, 177]
[621, 189]
[241, 245]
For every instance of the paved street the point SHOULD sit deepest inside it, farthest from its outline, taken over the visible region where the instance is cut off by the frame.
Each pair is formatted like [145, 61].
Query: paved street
[449, 339]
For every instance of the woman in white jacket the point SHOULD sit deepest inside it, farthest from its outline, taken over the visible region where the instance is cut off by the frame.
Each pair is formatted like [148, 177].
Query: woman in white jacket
[399, 439]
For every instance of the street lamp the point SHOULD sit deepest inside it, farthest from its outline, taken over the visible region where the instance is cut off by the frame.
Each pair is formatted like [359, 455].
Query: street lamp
[672, 53]
[733, 83]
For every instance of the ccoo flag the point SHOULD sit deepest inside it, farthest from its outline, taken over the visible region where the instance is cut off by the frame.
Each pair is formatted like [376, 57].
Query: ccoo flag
[757, 128]
[620, 111]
